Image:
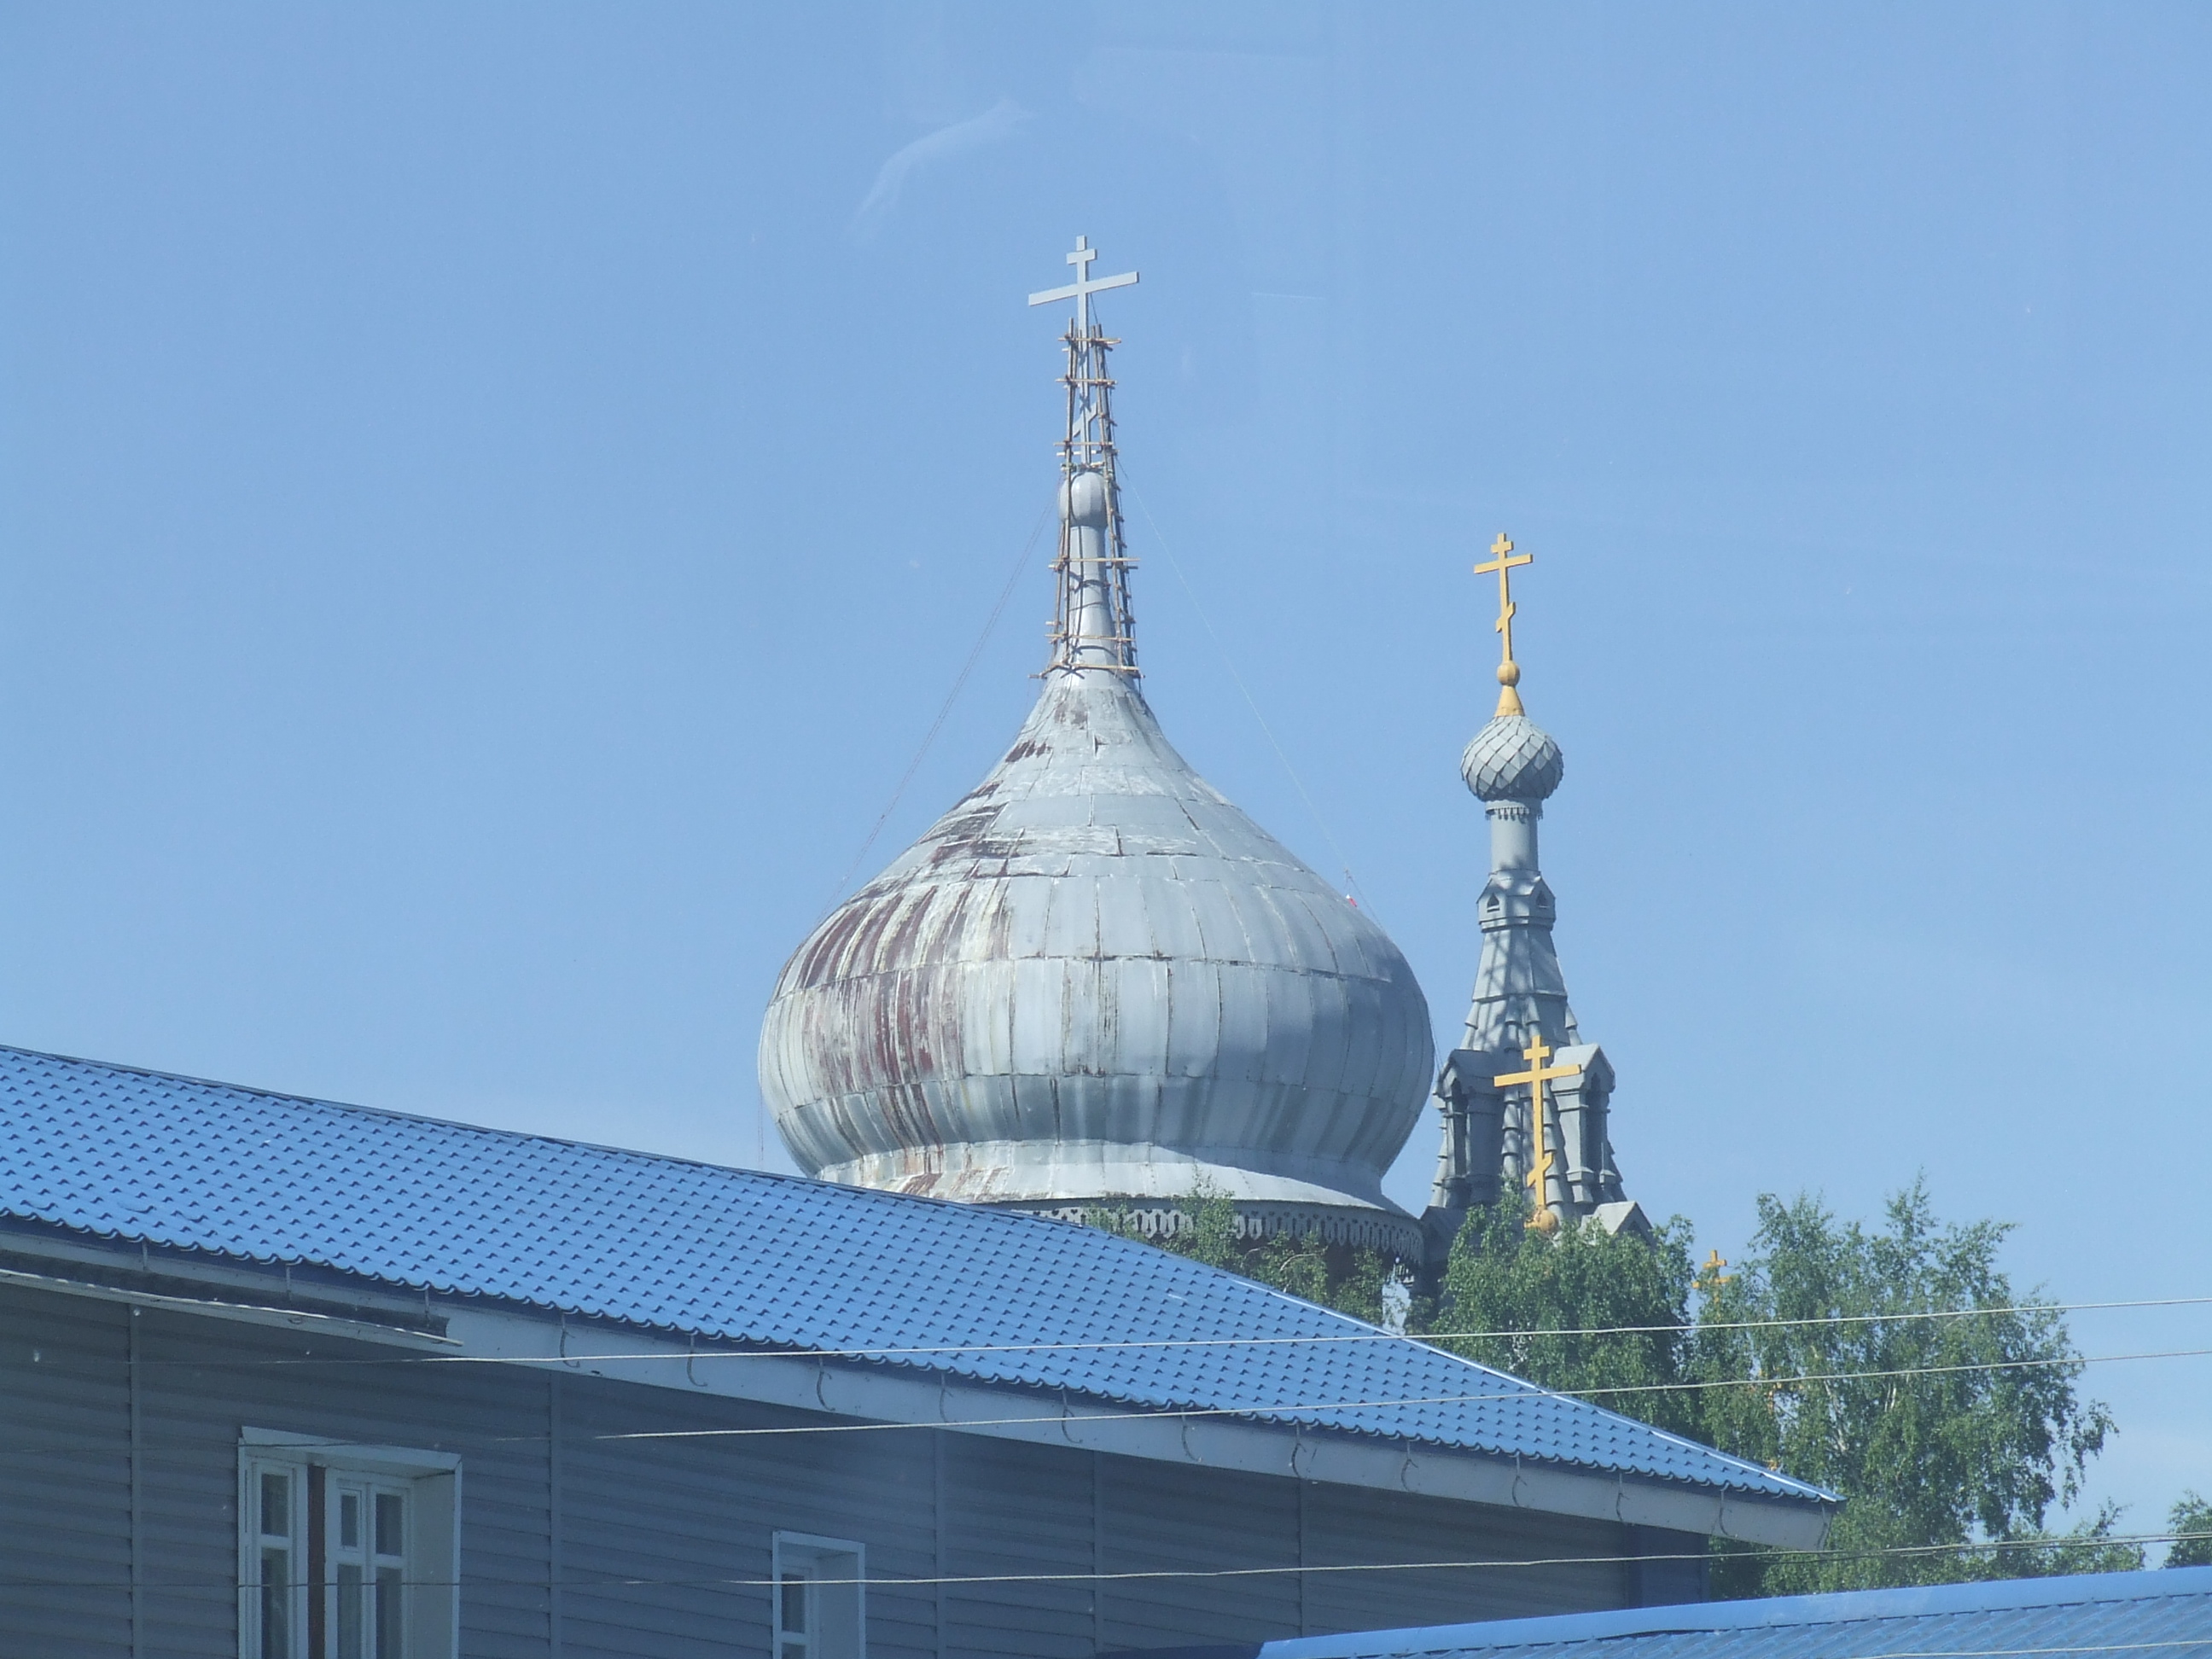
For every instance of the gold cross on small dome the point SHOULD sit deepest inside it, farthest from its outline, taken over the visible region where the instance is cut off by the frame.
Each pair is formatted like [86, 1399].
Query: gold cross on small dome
[1502, 560]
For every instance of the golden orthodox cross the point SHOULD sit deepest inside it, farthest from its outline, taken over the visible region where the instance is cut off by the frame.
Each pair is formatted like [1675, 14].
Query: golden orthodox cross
[1712, 1274]
[1503, 561]
[1539, 1147]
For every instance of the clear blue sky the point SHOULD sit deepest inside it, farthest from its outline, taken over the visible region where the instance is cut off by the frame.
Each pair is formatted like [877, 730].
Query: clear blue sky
[492, 497]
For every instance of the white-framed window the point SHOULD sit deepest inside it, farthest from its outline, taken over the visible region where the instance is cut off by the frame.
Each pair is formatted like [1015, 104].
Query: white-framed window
[273, 1528]
[820, 1605]
[346, 1551]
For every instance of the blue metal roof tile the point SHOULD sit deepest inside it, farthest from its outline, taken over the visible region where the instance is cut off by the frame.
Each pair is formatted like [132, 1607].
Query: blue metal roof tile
[2169, 1611]
[741, 1255]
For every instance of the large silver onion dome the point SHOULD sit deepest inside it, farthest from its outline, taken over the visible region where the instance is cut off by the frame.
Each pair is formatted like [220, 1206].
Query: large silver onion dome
[1095, 979]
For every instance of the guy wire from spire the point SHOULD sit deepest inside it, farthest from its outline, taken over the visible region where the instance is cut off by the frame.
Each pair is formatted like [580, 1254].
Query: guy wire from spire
[944, 710]
[1358, 893]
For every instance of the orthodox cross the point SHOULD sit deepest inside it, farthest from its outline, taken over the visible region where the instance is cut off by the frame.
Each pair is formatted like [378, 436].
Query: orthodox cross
[1502, 560]
[1711, 1273]
[1083, 287]
[1537, 1075]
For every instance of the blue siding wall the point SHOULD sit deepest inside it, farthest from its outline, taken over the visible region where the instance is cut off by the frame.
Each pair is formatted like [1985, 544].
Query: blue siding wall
[576, 1545]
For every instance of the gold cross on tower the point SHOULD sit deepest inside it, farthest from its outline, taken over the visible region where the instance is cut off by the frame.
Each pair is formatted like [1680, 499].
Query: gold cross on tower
[1502, 561]
[1539, 1147]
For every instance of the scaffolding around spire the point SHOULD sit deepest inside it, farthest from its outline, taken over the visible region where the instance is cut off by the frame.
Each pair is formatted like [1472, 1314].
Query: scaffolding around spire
[1091, 627]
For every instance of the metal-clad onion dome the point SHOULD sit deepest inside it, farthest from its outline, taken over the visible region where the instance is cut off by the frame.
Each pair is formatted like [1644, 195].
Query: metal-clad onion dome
[1513, 758]
[1094, 982]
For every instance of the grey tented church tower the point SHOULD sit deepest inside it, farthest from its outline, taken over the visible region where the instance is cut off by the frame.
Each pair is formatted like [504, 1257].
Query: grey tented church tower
[1094, 982]
[1524, 1099]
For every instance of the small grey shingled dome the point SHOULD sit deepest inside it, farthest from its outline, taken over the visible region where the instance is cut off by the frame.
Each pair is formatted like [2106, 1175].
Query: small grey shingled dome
[1513, 758]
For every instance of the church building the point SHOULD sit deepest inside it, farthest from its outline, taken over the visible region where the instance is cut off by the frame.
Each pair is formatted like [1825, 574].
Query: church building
[1094, 983]
[285, 1378]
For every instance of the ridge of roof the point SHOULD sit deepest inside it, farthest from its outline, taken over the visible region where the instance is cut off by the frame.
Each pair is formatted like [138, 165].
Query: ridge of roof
[1772, 1613]
[1006, 1297]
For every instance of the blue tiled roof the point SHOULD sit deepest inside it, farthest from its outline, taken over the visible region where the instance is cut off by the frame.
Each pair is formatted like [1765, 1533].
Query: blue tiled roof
[739, 1255]
[2155, 1615]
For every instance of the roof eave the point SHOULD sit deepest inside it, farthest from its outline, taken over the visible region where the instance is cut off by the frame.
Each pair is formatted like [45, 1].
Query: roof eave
[906, 1393]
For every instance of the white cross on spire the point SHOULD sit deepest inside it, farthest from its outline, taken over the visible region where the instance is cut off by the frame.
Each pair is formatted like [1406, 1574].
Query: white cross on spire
[1082, 288]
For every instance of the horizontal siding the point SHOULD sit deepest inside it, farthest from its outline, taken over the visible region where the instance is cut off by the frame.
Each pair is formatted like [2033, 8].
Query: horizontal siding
[663, 1542]
[1359, 1528]
[1016, 1508]
[64, 1478]
[202, 1381]
[1171, 1518]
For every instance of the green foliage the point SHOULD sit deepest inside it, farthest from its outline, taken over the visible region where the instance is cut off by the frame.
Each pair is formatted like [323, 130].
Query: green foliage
[1938, 1431]
[1950, 1438]
[1542, 1290]
[2190, 1515]
[2087, 1548]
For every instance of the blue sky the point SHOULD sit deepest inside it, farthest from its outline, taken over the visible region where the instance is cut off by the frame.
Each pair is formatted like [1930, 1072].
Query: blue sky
[492, 498]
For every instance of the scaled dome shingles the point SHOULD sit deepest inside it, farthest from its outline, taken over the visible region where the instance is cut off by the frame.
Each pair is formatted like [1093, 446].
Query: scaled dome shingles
[1513, 758]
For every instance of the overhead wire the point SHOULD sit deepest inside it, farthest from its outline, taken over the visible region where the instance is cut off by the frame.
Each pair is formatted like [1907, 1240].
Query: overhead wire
[892, 1351]
[1525, 1393]
[1767, 1553]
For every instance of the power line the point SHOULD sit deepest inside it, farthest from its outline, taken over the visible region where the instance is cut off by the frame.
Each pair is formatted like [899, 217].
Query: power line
[1527, 1392]
[2118, 1541]
[891, 1352]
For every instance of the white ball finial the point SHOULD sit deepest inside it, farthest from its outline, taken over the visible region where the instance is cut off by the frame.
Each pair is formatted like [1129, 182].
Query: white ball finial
[1082, 499]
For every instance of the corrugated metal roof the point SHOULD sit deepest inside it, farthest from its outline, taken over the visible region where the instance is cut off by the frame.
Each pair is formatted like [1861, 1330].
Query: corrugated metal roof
[2165, 1613]
[738, 1254]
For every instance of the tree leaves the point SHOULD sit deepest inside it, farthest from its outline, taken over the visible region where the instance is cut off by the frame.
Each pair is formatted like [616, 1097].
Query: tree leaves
[1817, 1356]
[1892, 1363]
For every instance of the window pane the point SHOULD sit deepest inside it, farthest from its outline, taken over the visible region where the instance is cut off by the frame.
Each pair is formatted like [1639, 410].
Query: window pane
[276, 1604]
[387, 1609]
[389, 1505]
[795, 1650]
[276, 1505]
[350, 1608]
[794, 1603]
[349, 1521]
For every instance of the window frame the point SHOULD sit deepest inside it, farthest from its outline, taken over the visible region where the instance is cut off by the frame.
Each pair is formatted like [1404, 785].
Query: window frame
[253, 1596]
[429, 1484]
[845, 1562]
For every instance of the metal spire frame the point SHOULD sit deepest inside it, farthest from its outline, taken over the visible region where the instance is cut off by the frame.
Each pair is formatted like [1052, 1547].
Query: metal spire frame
[1092, 621]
